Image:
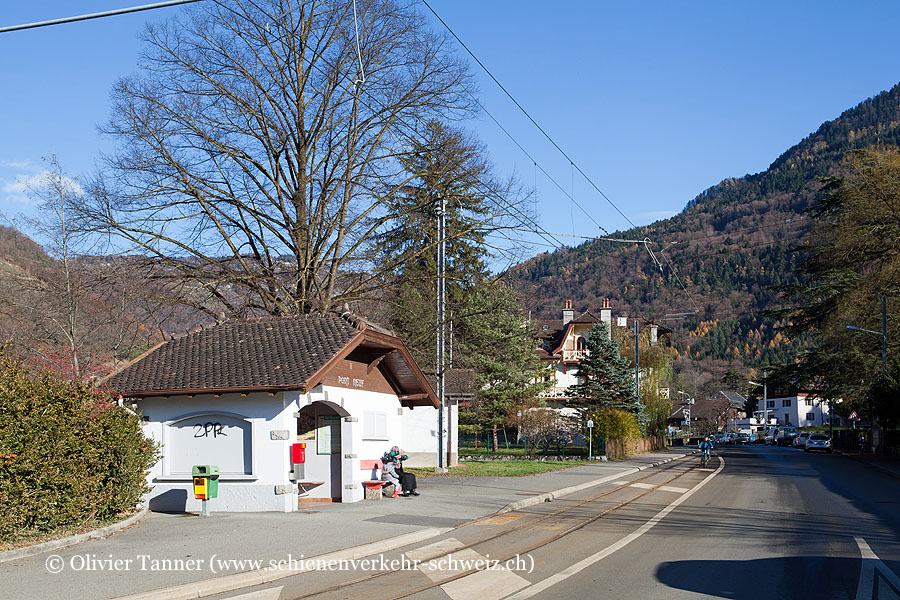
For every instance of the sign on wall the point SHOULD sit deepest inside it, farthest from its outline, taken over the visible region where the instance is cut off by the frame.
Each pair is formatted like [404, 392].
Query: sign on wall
[209, 439]
[329, 435]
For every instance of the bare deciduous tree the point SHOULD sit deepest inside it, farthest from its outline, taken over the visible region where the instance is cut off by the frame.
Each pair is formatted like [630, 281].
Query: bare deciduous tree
[259, 147]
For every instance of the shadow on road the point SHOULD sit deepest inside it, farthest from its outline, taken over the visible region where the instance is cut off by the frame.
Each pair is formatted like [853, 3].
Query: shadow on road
[788, 577]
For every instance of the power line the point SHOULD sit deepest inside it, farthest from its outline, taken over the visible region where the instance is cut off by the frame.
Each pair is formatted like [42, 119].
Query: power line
[98, 15]
[525, 112]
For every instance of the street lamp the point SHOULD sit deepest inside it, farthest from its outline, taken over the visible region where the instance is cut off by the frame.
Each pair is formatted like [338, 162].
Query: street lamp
[765, 404]
[882, 333]
[687, 410]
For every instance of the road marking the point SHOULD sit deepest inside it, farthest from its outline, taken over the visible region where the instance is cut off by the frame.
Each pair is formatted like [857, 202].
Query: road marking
[621, 482]
[540, 586]
[672, 488]
[871, 573]
[436, 549]
[489, 583]
[643, 486]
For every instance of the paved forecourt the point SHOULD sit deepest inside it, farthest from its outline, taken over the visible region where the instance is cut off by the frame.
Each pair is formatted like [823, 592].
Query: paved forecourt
[165, 550]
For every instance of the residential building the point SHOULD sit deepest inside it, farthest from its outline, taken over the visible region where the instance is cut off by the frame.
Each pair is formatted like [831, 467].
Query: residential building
[800, 410]
[563, 344]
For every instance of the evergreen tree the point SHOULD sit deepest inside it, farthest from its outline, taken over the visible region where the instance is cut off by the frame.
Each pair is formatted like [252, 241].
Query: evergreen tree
[496, 341]
[443, 163]
[606, 377]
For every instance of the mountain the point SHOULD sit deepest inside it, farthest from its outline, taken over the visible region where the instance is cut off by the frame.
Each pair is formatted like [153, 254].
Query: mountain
[722, 256]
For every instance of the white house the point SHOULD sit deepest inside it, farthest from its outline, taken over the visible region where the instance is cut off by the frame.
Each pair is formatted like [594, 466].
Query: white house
[240, 395]
[802, 410]
[562, 345]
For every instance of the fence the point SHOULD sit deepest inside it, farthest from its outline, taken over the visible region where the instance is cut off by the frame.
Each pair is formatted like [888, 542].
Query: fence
[510, 445]
[623, 448]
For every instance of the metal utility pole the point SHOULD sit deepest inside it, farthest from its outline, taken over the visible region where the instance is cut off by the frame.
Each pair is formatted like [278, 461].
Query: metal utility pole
[637, 368]
[441, 301]
[884, 334]
[764, 385]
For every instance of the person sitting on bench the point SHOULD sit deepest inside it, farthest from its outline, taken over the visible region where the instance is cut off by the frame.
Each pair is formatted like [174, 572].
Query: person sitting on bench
[395, 458]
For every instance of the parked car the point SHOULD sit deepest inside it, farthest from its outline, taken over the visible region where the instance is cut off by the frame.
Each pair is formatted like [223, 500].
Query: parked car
[770, 437]
[800, 440]
[786, 435]
[818, 441]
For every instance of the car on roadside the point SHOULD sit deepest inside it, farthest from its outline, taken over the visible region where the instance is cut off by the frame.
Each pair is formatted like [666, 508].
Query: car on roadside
[818, 441]
[786, 435]
[770, 437]
[742, 438]
[800, 440]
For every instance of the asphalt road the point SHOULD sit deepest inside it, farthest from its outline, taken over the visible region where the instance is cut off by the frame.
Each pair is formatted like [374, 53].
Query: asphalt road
[759, 522]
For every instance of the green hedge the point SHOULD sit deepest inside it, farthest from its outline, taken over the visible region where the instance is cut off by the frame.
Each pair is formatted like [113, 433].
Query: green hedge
[615, 424]
[69, 456]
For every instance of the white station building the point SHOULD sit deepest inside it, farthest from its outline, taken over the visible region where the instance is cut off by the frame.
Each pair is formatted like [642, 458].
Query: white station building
[241, 395]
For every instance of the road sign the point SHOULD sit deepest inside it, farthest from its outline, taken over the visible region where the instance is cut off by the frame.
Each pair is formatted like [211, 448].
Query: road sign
[590, 423]
[853, 416]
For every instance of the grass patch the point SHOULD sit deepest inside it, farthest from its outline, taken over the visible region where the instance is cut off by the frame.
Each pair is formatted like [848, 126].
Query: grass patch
[501, 468]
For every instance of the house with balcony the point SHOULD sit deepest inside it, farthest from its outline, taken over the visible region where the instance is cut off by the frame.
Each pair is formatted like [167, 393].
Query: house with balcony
[562, 344]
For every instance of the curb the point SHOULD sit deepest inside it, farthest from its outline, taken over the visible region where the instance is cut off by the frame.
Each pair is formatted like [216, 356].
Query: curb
[550, 496]
[18, 553]
[236, 581]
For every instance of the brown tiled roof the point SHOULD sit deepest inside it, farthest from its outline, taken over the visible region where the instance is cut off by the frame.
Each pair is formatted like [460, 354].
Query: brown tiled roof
[271, 352]
[460, 383]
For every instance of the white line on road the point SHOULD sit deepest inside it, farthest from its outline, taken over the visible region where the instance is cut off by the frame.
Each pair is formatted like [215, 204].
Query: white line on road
[672, 488]
[870, 565]
[590, 560]
[643, 486]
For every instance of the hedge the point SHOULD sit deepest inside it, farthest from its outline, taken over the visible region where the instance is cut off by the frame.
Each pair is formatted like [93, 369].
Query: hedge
[615, 424]
[69, 456]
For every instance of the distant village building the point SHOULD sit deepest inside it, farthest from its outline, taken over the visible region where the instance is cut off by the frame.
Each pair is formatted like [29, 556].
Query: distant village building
[562, 344]
[798, 410]
[240, 394]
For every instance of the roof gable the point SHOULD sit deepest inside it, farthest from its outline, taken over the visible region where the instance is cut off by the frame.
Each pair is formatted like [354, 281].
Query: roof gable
[271, 353]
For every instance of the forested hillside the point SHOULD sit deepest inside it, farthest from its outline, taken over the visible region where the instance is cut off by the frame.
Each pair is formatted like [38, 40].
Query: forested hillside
[730, 247]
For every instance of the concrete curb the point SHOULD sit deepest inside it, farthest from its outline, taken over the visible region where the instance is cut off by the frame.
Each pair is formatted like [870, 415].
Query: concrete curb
[18, 553]
[230, 583]
[550, 496]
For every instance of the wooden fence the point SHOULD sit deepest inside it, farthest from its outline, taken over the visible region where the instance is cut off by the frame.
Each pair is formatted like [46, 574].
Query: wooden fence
[623, 448]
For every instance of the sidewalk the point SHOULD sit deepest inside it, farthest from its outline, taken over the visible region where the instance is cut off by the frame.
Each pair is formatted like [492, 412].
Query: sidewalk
[170, 549]
[887, 464]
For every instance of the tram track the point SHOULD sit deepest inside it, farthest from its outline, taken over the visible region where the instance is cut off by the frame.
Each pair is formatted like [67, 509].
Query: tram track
[553, 538]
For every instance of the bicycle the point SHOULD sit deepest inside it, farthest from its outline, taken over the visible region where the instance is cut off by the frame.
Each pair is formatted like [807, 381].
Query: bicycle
[704, 457]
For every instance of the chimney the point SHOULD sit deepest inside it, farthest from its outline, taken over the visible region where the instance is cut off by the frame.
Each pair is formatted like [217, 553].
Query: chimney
[568, 313]
[606, 314]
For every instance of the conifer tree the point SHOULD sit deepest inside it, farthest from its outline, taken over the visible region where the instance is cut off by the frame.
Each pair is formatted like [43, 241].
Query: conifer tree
[606, 377]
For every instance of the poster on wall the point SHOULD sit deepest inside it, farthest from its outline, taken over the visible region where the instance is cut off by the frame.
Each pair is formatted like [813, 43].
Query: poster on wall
[329, 435]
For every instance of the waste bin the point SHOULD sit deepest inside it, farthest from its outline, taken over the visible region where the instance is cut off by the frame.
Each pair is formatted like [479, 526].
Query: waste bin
[206, 481]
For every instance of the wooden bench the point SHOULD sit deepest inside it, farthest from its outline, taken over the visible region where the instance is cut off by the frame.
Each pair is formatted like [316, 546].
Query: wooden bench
[376, 487]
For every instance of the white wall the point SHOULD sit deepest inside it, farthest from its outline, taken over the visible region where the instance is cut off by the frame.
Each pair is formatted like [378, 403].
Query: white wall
[798, 410]
[220, 430]
[186, 428]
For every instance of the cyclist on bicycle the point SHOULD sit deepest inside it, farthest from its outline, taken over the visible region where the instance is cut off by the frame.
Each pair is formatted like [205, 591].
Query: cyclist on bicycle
[705, 446]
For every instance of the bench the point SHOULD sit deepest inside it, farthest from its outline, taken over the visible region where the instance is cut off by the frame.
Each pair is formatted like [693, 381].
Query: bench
[376, 487]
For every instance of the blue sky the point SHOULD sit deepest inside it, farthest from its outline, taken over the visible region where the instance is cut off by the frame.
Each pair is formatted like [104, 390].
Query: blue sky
[655, 101]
